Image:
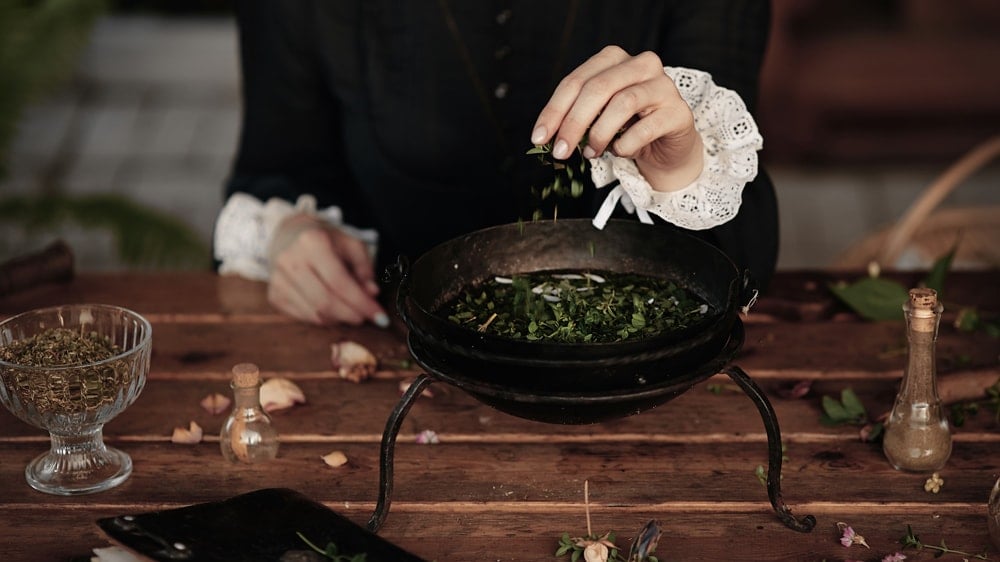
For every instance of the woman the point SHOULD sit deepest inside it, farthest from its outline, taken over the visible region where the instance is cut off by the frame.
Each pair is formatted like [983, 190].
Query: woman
[399, 125]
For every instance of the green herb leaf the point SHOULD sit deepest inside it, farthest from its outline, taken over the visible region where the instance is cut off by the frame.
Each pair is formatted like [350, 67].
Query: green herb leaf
[873, 298]
[852, 405]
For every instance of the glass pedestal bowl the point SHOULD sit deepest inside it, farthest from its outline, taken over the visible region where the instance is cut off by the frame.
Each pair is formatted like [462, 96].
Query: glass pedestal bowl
[45, 382]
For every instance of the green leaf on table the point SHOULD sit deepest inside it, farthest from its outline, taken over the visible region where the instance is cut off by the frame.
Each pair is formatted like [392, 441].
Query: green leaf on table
[848, 410]
[873, 297]
[970, 320]
[851, 403]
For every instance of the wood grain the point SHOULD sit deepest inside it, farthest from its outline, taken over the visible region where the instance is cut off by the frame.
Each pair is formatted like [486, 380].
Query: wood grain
[498, 487]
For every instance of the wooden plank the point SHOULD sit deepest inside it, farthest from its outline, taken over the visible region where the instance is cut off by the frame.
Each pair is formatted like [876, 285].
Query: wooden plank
[620, 473]
[509, 533]
[792, 295]
[337, 409]
[212, 348]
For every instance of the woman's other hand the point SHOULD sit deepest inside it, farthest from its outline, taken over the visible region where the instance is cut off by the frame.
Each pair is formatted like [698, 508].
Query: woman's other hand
[614, 92]
[322, 275]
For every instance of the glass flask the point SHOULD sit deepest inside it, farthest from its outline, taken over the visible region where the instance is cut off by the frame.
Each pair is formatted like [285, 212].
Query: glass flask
[248, 436]
[917, 437]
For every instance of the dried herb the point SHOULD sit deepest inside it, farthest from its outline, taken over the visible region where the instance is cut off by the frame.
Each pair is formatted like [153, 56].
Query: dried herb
[575, 307]
[911, 540]
[57, 347]
[332, 552]
[83, 382]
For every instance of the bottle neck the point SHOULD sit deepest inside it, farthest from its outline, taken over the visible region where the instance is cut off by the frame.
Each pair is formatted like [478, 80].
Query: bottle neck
[246, 397]
[919, 375]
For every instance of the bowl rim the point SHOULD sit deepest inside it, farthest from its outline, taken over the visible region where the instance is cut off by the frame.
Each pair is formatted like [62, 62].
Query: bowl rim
[143, 343]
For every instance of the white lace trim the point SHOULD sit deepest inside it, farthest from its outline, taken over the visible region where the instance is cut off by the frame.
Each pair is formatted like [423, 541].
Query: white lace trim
[245, 228]
[731, 142]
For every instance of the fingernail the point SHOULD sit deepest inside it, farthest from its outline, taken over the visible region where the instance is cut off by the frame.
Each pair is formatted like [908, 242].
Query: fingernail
[561, 150]
[381, 320]
[538, 135]
[372, 287]
[589, 152]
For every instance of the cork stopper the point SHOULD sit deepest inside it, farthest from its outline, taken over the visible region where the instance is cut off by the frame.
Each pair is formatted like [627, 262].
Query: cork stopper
[923, 299]
[923, 308]
[245, 375]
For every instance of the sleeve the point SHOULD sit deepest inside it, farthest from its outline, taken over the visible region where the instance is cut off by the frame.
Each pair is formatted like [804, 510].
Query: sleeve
[290, 156]
[731, 141]
[727, 39]
[290, 140]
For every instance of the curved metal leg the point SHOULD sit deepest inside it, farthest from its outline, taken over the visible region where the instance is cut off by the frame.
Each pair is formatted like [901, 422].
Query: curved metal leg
[806, 523]
[388, 449]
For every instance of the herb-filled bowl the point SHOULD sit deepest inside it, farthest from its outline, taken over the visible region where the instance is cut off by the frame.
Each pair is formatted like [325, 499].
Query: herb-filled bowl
[69, 370]
[463, 265]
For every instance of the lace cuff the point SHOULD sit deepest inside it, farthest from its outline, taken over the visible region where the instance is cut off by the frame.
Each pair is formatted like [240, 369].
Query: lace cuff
[731, 142]
[245, 228]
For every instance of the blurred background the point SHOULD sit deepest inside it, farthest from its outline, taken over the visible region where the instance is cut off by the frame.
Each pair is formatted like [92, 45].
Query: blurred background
[119, 119]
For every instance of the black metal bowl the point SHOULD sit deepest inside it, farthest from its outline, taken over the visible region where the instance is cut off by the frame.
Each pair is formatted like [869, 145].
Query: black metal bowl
[571, 405]
[622, 247]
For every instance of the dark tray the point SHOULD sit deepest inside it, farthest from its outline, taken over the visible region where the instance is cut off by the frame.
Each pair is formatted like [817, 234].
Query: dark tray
[258, 526]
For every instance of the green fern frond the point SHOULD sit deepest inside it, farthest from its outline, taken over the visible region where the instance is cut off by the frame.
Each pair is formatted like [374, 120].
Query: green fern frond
[143, 237]
[40, 41]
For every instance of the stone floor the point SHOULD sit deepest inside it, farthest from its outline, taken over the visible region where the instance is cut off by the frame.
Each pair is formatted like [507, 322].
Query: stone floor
[153, 114]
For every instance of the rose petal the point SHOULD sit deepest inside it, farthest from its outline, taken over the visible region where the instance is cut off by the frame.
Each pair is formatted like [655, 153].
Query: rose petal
[796, 390]
[279, 393]
[428, 437]
[215, 403]
[335, 459]
[352, 361]
[189, 436]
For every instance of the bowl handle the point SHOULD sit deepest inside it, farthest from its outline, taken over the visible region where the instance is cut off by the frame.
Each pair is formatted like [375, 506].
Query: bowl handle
[747, 292]
[400, 273]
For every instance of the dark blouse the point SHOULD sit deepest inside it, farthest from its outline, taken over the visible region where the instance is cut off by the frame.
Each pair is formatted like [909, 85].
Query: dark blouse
[419, 129]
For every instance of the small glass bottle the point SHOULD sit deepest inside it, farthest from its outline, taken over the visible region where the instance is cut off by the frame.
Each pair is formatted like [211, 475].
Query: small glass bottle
[993, 514]
[917, 437]
[248, 435]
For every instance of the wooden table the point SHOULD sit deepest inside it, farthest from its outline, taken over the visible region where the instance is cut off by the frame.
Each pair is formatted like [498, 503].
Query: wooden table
[498, 487]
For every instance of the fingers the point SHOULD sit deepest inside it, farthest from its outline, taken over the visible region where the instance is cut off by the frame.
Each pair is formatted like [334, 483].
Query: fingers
[322, 277]
[612, 75]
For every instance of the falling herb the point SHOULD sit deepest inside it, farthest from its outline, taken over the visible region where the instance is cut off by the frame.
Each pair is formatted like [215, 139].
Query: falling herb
[567, 176]
[571, 307]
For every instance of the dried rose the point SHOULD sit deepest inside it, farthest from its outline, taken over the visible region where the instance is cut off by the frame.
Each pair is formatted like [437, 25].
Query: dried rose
[215, 403]
[335, 459]
[595, 552]
[279, 393]
[352, 361]
[189, 436]
[849, 538]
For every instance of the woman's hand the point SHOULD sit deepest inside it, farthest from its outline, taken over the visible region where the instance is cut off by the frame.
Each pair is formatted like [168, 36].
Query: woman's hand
[322, 275]
[614, 92]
